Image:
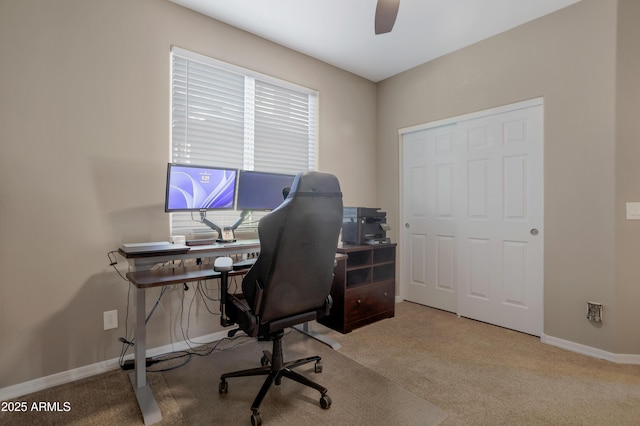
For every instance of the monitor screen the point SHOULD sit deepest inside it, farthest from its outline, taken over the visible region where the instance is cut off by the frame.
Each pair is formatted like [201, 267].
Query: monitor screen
[199, 188]
[261, 190]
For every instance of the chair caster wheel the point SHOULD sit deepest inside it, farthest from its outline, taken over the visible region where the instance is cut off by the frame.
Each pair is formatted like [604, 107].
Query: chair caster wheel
[325, 402]
[223, 386]
[318, 367]
[256, 419]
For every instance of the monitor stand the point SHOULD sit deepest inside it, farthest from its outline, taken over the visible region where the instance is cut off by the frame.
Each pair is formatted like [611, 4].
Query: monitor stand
[226, 234]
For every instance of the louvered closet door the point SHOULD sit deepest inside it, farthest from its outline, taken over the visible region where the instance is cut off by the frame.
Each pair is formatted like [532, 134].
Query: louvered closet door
[472, 214]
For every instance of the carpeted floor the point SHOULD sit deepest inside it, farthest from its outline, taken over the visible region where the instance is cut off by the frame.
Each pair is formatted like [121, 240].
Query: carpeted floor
[360, 396]
[397, 371]
[105, 399]
[487, 375]
[189, 395]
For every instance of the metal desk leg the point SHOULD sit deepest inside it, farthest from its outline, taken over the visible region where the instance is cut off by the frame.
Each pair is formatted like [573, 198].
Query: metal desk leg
[147, 403]
[306, 329]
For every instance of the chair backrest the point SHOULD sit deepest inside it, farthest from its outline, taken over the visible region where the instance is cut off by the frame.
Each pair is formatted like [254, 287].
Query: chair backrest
[298, 241]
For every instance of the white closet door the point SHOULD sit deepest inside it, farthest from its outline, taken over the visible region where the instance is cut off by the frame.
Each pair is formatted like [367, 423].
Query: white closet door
[429, 175]
[500, 260]
[472, 211]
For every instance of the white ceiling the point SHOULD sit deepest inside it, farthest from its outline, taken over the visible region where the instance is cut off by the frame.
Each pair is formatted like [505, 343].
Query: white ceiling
[340, 32]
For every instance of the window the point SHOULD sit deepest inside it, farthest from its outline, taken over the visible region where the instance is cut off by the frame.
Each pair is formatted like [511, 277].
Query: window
[226, 116]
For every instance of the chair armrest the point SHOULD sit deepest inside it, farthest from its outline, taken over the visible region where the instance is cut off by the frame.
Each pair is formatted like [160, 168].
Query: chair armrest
[241, 314]
[223, 264]
[326, 309]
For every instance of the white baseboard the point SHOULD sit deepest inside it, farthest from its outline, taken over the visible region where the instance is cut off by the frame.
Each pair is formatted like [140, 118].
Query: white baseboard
[35, 385]
[581, 349]
[589, 351]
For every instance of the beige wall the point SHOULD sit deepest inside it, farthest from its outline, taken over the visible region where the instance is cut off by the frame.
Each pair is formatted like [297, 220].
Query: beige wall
[627, 177]
[569, 59]
[84, 131]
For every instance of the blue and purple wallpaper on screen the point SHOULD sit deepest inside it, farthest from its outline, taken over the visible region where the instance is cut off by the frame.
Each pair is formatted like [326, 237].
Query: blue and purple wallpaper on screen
[194, 188]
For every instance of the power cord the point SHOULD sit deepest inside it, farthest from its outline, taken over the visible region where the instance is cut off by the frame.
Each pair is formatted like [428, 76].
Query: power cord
[201, 292]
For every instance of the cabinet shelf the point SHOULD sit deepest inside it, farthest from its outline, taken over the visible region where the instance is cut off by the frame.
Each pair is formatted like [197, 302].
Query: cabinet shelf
[384, 272]
[358, 276]
[358, 259]
[384, 254]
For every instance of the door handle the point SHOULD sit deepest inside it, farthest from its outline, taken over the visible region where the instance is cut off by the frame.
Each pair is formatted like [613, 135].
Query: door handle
[534, 232]
[406, 225]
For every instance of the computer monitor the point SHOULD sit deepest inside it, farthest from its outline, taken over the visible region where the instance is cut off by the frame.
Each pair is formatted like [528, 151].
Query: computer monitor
[199, 188]
[261, 191]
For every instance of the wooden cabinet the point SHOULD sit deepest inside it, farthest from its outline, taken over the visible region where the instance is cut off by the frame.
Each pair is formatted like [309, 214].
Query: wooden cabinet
[363, 288]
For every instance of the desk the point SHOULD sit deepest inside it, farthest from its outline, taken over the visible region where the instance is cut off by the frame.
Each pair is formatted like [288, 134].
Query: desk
[143, 277]
[203, 251]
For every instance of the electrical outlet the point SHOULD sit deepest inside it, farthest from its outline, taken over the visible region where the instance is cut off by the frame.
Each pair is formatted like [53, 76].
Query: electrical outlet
[633, 211]
[594, 311]
[110, 319]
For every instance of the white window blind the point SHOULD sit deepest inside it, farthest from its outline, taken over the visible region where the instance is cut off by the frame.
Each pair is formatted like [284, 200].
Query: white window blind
[282, 120]
[226, 116]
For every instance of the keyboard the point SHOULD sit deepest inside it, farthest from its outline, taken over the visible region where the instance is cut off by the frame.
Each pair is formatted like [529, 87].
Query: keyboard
[240, 243]
[150, 249]
[201, 242]
[244, 264]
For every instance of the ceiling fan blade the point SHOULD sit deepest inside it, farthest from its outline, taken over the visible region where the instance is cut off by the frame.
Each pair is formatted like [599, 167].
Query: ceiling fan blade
[386, 12]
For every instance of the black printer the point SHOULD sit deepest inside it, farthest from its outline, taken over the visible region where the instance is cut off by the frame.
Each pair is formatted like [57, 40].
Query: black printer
[364, 225]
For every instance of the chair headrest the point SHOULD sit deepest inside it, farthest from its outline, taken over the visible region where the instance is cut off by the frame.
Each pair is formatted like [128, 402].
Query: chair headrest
[309, 183]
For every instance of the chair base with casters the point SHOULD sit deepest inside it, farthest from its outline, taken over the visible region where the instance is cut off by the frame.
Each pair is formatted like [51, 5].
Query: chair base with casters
[272, 363]
[274, 367]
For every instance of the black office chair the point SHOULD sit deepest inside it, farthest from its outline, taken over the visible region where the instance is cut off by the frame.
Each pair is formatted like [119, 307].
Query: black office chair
[290, 282]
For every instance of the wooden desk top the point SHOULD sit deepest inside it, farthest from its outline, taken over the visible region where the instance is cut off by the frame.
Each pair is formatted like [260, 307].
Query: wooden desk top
[175, 275]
